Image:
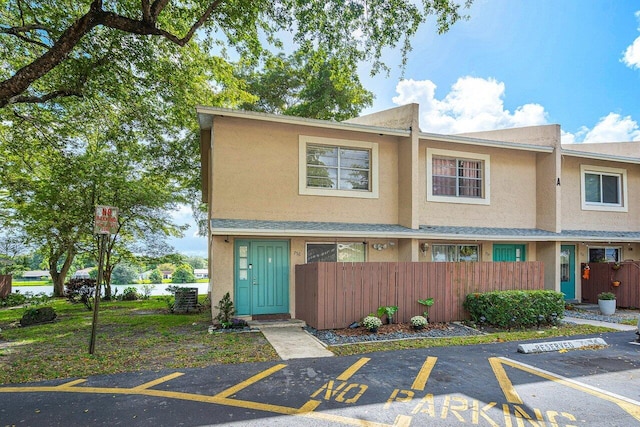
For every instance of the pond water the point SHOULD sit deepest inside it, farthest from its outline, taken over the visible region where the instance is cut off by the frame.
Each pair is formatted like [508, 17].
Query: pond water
[159, 289]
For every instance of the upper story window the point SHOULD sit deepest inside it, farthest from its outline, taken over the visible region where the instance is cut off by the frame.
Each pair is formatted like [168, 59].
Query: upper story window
[603, 188]
[334, 167]
[338, 167]
[457, 177]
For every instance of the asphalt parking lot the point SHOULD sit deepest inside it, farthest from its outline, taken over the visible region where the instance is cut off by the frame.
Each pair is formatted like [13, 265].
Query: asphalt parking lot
[490, 385]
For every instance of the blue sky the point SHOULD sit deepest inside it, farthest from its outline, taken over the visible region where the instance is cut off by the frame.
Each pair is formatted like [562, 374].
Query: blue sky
[515, 63]
[520, 63]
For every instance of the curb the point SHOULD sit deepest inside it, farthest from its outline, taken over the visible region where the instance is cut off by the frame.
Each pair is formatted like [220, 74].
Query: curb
[543, 347]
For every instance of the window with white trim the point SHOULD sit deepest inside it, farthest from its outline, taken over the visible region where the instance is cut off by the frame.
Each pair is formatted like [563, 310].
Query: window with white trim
[338, 167]
[334, 167]
[457, 177]
[603, 188]
[455, 253]
[605, 254]
[336, 252]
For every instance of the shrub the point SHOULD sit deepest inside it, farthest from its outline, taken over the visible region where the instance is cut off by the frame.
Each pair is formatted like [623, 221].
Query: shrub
[419, 321]
[34, 316]
[130, 294]
[226, 311]
[81, 290]
[13, 300]
[371, 322]
[509, 309]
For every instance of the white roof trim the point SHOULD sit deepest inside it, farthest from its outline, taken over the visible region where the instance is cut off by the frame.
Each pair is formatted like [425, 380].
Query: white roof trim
[486, 142]
[205, 122]
[261, 232]
[600, 156]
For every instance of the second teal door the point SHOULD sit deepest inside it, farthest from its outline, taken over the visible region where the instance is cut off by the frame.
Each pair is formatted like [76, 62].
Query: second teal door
[262, 277]
[508, 253]
[567, 271]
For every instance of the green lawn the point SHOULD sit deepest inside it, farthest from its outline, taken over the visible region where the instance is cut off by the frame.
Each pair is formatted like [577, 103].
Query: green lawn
[142, 335]
[132, 336]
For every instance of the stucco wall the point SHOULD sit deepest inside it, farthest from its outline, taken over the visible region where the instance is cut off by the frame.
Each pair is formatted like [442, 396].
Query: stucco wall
[574, 218]
[513, 191]
[545, 135]
[549, 254]
[256, 176]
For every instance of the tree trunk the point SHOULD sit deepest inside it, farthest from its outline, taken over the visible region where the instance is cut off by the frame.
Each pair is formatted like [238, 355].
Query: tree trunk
[59, 277]
[107, 281]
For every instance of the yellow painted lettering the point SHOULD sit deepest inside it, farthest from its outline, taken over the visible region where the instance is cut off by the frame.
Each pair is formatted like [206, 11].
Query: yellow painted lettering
[342, 397]
[476, 413]
[427, 400]
[447, 406]
[521, 415]
[552, 415]
[329, 392]
[396, 397]
[507, 415]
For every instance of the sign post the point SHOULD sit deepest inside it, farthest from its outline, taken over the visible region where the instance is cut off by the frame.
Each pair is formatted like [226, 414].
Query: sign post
[105, 224]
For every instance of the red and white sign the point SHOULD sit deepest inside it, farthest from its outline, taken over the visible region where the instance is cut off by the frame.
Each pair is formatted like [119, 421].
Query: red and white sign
[106, 221]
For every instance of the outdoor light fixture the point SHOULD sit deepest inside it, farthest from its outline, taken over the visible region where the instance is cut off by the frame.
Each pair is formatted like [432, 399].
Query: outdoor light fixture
[424, 247]
[379, 246]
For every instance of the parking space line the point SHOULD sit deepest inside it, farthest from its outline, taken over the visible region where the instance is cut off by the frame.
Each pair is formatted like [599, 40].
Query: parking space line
[72, 383]
[246, 383]
[158, 381]
[632, 407]
[507, 387]
[423, 376]
[353, 369]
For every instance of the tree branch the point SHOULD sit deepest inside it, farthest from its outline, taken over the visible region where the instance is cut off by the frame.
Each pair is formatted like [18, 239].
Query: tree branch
[11, 88]
[17, 31]
[22, 79]
[33, 99]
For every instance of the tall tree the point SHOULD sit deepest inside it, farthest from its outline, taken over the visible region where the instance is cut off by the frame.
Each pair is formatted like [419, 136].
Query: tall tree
[306, 84]
[55, 59]
[96, 99]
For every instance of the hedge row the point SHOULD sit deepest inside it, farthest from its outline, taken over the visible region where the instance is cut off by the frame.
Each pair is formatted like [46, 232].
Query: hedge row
[515, 309]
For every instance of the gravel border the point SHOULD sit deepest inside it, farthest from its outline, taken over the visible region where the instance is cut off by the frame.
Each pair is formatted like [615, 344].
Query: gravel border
[454, 329]
[594, 314]
[329, 337]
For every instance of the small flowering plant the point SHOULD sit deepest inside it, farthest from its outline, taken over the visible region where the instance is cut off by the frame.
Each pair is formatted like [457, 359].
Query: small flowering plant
[419, 321]
[371, 322]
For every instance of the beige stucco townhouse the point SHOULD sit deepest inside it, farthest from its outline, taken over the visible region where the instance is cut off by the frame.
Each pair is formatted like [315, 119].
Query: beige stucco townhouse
[283, 191]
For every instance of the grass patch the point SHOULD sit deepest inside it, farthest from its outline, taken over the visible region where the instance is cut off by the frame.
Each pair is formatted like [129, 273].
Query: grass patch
[131, 336]
[32, 283]
[561, 331]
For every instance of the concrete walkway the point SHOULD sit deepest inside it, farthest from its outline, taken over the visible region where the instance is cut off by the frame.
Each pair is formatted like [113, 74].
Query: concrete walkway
[611, 325]
[290, 340]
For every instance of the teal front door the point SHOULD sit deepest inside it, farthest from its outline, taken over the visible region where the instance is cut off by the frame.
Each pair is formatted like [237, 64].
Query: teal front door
[568, 271]
[508, 253]
[261, 277]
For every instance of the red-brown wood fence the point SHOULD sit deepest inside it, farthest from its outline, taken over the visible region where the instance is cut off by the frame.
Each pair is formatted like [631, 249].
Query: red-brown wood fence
[601, 278]
[334, 295]
[5, 285]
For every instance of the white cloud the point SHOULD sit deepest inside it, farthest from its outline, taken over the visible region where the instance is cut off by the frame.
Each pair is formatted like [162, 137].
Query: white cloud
[631, 57]
[473, 104]
[611, 128]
